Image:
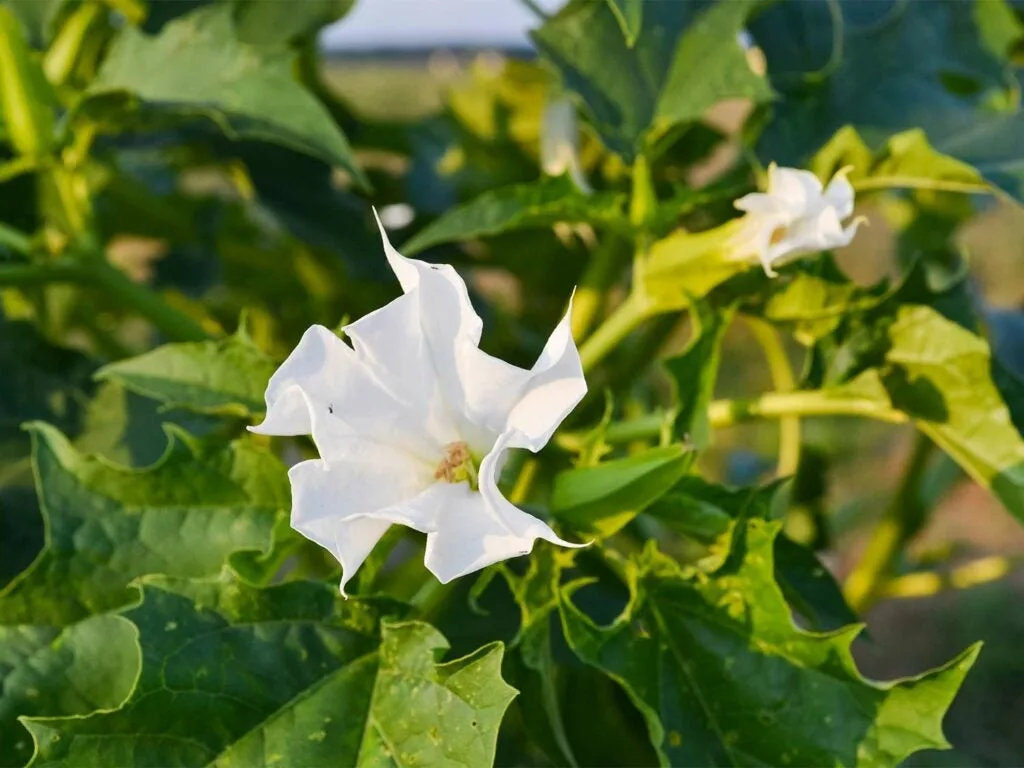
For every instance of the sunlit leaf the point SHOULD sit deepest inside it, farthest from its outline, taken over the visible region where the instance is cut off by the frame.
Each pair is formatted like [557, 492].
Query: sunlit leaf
[197, 67]
[226, 377]
[723, 677]
[603, 498]
[290, 675]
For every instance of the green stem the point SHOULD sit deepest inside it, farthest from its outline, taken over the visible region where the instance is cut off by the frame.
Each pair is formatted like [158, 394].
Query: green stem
[726, 413]
[102, 276]
[623, 321]
[909, 182]
[783, 381]
[590, 295]
[901, 520]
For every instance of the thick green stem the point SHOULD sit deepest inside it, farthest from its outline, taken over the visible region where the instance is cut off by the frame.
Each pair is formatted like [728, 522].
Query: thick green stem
[726, 413]
[623, 321]
[102, 276]
[783, 381]
[590, 295]
[901, 520]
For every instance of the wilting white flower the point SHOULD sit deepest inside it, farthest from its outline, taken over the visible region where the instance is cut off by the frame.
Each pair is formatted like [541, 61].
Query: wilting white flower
[794, 217]
[560, 142]
[413, 423]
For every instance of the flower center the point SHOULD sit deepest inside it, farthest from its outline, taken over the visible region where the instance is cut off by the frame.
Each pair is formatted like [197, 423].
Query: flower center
[778, 235]
[458, 465]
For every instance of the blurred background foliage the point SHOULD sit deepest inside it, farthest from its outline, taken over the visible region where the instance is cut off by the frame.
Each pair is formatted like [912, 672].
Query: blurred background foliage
[245, 200]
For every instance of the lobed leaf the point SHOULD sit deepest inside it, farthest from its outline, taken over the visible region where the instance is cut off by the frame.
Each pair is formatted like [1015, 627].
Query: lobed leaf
[685, 58]
[196, 66]
[522, 206]
[105, 526]
[603, 498]
[222, 377]
[723, 677]
[288, 675]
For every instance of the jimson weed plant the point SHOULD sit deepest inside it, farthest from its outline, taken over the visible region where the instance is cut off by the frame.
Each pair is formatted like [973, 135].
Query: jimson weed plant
[523, 429]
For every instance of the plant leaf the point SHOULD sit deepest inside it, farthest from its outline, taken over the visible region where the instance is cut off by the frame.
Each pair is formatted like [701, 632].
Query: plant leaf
[288, 675]
[222, 377]
[603, 498]
[694, 373]
[630, 15]
[685, 58]
[196, 66]
[885, 68]
[723, 677]
[521, 206]
[705, 513]
[905, 160]
[270, 22]
[939, 374]
[105, 526]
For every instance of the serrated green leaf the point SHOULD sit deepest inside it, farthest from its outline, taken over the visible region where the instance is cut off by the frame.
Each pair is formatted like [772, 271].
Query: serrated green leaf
[686, 57]
[603, 498]
[905, 160]
[105, 526]
[76, 670]
[939, 374]
[885, 68]
[723, 677]
[289, 675]
[196, 66]
[522, 206]
[222, 377]
[536, 594]
[694, 373]
[706, 512]
[711, 65]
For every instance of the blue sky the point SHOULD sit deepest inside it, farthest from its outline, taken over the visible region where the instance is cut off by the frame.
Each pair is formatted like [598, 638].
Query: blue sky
[425, 23]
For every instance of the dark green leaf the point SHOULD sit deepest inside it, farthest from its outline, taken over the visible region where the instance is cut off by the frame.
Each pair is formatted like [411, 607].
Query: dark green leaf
[289, 675]
[694, 373]
[630, 15]
[887, 67]
[269, 22]
[39, 381]
[705, 512]
[47, 670]
[521, 206]
[723, 677]
[223, 377]
[107, 525]
[603, 498]
[197, 67]
[686, 57]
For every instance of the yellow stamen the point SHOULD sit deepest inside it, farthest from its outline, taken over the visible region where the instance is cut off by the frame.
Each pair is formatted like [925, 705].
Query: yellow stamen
[458, 465]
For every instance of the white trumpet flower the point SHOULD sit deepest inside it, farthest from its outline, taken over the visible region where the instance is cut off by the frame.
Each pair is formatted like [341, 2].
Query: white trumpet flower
[413, 423]
[794, 217]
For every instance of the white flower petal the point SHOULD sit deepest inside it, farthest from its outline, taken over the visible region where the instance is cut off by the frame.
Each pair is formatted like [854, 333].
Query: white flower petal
[555, 386]
[516, 522]
[391, 343]
[323, 389]
[839, 193]
[471, 538]
[794, 187]
[338, 505]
